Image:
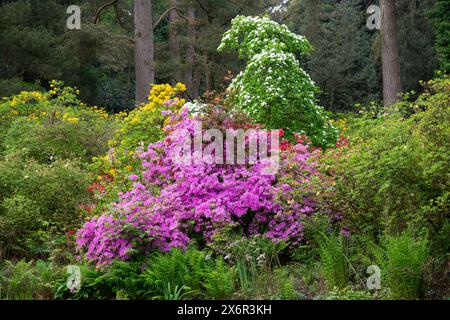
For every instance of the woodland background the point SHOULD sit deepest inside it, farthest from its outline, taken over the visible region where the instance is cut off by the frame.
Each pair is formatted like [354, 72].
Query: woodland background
[99, 58]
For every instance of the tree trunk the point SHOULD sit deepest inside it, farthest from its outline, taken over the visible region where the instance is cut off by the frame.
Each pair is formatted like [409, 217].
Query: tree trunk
[196, 83]
[190, 55]
[144, 59]
[389, 53]
[174, 44]
[208, 74]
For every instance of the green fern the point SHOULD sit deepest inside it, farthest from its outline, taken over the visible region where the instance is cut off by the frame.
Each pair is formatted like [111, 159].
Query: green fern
[27, 280]
[401, 259]
[334, 265]
[219, 283]
[191, 269]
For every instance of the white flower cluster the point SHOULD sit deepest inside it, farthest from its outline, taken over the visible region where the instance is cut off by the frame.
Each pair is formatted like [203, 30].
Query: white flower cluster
[273, 88]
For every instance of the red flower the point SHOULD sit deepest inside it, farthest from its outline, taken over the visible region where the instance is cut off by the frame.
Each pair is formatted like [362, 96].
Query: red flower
[88, 207]
[284, 144]
[96, 187]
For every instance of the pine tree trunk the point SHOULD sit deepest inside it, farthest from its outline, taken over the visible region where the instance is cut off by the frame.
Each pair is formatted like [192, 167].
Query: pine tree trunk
[174, 43]
[144, 59]
[208, 74]
[389, 53]
[196, 83]
[190, 54]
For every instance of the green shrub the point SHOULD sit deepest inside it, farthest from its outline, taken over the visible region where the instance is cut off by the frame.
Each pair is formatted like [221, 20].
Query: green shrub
[285, 287]
[309, 250]
[172, 276]
[46, 142]
[59, 133]
[394, 173]
[20, 218]
[219, 283]
[94, 285]
[13, 86]
[39, 203]
[267, 284]
[258, 266]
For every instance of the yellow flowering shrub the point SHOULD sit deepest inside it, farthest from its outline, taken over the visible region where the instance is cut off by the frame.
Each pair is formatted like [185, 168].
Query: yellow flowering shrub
[54, 124]
[138, 128]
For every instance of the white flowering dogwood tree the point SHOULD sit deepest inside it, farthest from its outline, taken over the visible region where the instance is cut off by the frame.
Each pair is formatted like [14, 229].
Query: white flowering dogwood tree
[273, 88]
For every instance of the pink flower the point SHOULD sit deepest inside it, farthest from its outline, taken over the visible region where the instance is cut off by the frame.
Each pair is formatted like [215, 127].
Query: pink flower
[173, 201]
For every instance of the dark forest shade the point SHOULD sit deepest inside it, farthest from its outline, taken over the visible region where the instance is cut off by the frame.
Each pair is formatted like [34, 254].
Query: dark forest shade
[100, 58]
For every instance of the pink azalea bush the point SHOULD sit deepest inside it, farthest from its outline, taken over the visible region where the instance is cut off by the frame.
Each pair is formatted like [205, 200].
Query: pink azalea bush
[172, 203]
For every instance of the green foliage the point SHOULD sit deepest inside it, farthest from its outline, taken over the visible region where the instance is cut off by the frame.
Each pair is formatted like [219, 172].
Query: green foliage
[176, 275]
[220, 282]
[415, 30]
[55, 137]
[309, 250]
[441, 22]
[93, 285]
[396, 166]
[402, 260]
[121, 281]
[28, 280]
[273, 88]
[53, 125]
[47, 141]
[36, 48]
[285, 287]
[198, 273]
[173, 294]
[342, 63]
[9, 87]
[38, 203]
[333, 261]
[258, 265]
[256, 283]
[347, 293]
[259, 249]
[345, 62]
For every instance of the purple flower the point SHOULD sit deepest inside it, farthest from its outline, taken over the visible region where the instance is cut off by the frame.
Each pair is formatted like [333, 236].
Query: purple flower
[345, 232]
[172, 201]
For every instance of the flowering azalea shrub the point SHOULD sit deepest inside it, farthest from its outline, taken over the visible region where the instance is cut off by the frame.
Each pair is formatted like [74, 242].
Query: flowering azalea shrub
[173, 203]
